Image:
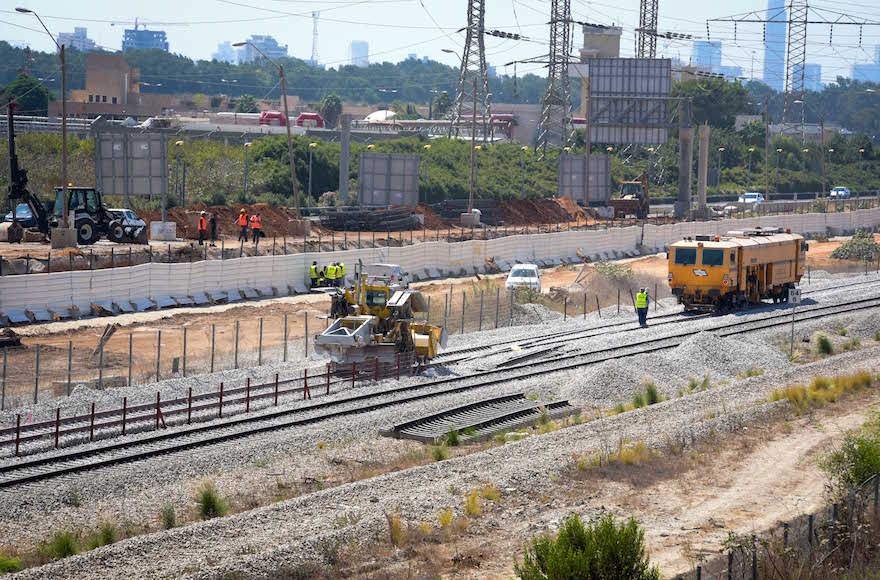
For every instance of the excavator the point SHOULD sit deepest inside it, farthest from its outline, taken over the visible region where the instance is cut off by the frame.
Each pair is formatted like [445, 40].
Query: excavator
[377, 321]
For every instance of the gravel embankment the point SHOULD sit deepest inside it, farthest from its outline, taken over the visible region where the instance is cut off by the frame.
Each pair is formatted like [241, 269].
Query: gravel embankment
[255, 468]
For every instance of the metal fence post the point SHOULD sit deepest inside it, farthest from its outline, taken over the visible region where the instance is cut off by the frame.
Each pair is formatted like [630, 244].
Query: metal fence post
[785, 535]
[497, 303]
[585, 305]
[101, 369]
[306, 320]
[510, 313]
[754, 558]
[130, 356]
[833, 525]
[236, 345]
[463, 305]
[876, 491]
[184, 352]
[598, 308]
[260, 345]
[158, 356]
[730, 565]
[3, 391]
[284, 356]
[699, 573]
[213, 329]
[445, 310]
[428, 317]
[565, 309]
[37, 376]
[480, 324]
[618, 300]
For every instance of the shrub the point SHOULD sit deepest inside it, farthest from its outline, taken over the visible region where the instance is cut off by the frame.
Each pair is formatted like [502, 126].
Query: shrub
[619, 408]
[61, 545]
[395, 529]
[704, 386]
[490, 492]
[445, 517]
[424, 529]
[751, 372]
[851, 344]
[857, 459]
[614, 271]
[9, 564]
[439, 452]
[473, 507]
[211, 503]
[452, 438]
[824, 346]
[652, 395]
[601, 549]
[638, 400]
[104, 536]
[169, 517]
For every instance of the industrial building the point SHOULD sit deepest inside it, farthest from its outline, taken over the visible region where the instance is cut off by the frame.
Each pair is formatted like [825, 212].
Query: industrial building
[112, 91]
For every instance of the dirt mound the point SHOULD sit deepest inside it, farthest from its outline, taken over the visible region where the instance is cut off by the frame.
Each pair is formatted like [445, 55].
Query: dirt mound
[273, 219]
[433, 221]
[520, 212]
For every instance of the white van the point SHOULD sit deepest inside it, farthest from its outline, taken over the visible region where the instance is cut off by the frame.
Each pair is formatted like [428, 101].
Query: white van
[390, 273]
[524, 276]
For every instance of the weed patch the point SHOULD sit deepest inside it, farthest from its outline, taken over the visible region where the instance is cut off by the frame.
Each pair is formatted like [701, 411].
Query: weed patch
[439, 452]
[62, 544]
[822, 390]
[211, 503]
[824, 346]
[473, 506]
[168, 516]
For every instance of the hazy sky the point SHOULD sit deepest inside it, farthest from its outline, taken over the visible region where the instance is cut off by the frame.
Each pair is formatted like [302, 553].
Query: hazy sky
[395, 28]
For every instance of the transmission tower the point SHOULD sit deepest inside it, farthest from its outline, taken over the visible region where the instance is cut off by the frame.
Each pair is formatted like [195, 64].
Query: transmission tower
[646, 40]
[555, 103]
[315, 16]
[473, 66]
[794, 68]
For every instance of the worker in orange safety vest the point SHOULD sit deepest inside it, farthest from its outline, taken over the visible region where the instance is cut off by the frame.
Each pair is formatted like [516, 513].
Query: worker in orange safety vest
[256, 227]
[203, 227]
[243, 223]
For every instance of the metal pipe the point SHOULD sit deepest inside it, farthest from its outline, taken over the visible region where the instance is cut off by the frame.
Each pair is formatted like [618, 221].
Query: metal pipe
[158, 355]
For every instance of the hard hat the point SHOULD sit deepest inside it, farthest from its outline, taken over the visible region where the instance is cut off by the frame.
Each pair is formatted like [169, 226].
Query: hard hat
[315, 263]
[204, 213]
[243, 210]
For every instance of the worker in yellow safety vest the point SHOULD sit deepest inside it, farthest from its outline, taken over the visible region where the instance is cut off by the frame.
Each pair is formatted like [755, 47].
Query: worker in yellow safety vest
[341, 274]
[331, 274]
[642, 302]
[313, 274]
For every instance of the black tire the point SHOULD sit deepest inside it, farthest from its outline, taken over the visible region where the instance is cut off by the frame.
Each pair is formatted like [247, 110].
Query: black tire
[86, 232]
[116, 232]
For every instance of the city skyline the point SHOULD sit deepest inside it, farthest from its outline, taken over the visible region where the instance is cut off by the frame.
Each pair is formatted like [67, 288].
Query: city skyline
[429, 32]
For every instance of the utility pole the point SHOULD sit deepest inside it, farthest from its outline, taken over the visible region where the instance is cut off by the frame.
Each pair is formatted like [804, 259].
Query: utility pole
[556, 108]
[588, 143]
[296, 211]
[473, 66]
[767, 148]
[822, 131]
[646, 39]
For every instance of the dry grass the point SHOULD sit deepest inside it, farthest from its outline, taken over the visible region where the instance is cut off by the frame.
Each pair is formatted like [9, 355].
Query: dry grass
[822, 390]
[473, 505]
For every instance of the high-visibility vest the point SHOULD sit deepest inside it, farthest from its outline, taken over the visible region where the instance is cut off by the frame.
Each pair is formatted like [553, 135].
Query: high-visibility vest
[341, 269]
[331, 272]
[313, 272]
[203, 224]
[242, 220]
[255, 222]
[641, 300]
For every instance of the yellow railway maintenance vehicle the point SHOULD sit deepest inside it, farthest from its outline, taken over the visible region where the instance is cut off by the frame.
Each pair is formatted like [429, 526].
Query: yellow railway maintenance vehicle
[742, 267]
[377, 321]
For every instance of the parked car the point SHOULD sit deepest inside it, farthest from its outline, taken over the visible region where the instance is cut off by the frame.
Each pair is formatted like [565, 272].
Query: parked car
[392, 273]
[24, 215]
[524, 276]
[840, 193]
[752, 198]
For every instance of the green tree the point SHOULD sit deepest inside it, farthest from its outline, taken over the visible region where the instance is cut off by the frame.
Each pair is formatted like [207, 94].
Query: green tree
[441, 105]
[246, 104]
[714, 100]
[30, 96]
[330, 108]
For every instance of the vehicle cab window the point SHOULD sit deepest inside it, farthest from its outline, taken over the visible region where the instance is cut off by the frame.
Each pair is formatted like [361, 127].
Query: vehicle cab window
[376, 298]
[685, 256]
[713, 257]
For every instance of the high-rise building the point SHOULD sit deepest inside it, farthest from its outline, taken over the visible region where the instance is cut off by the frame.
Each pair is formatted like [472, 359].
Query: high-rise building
[813, 77]
[225, 53]
[267, 44]
[706, 55]
[143, 39]
[729, 71]
[869, 71]
[412, 56]
[359, 53]
[77, 39]
[774, 45]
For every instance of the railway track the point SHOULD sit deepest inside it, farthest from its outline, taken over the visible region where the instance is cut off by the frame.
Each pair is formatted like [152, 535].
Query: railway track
[51, 466]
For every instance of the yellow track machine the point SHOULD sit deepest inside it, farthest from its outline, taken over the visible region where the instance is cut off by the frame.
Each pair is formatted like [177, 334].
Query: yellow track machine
[377, 321]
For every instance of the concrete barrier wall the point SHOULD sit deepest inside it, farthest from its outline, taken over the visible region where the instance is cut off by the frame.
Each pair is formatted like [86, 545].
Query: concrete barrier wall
[284, 274]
